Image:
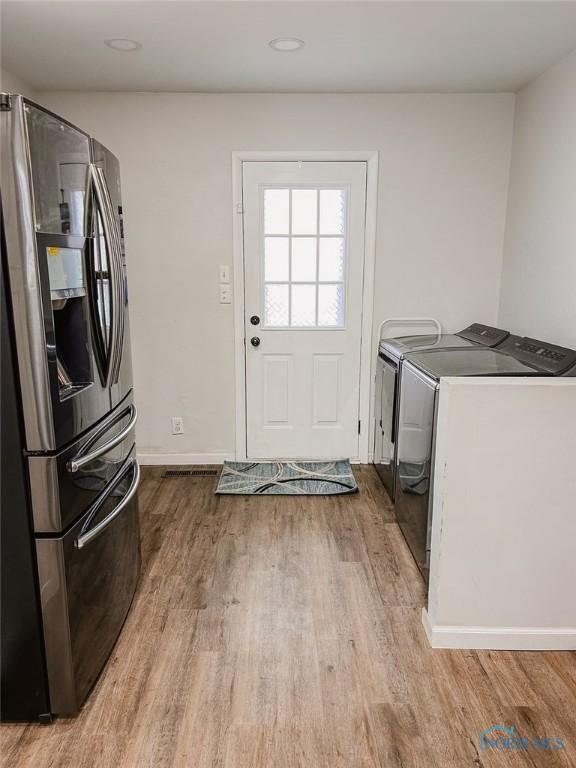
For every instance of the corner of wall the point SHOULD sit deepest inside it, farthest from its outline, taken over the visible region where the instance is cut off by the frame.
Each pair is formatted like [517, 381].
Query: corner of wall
[506, 207]
[539, 237]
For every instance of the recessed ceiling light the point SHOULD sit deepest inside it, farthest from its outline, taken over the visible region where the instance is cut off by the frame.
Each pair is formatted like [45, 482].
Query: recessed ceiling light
[123, 44]
[286, 44]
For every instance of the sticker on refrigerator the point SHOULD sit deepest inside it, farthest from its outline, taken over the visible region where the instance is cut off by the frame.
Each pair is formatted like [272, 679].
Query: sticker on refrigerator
[66, 272]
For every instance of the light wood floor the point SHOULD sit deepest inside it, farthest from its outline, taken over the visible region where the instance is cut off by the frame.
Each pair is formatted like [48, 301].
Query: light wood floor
[284, 632]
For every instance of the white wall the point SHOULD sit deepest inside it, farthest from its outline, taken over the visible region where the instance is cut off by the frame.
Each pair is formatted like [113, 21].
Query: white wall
[539, 277]
[10, 83]
[444, 162]
[502, 564]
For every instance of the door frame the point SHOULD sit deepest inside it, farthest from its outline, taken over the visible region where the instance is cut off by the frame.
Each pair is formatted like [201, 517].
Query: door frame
[366, 364]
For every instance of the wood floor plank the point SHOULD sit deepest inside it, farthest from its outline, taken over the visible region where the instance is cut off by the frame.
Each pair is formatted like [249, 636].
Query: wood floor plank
[285, 632]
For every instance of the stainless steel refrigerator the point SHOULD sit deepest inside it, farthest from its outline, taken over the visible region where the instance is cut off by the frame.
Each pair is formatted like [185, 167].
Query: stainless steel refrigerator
[66, 354]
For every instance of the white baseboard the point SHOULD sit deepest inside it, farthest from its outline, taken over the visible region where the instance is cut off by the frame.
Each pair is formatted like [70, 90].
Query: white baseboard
[500, 638]
[171, 459]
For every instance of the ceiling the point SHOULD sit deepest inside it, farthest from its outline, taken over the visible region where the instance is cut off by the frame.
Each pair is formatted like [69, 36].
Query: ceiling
[223, 46]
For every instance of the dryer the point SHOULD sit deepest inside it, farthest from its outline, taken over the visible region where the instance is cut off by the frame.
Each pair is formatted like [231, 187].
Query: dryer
[391, 353]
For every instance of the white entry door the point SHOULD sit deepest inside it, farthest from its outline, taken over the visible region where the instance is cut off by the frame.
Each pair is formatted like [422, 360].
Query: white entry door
[304, 228]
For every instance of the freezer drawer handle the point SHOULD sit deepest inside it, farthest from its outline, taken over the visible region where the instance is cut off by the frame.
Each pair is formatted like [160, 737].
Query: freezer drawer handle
[87, 537]
[75, 464]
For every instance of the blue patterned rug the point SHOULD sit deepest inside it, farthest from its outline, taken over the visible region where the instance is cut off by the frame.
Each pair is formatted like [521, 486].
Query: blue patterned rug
[322, 478]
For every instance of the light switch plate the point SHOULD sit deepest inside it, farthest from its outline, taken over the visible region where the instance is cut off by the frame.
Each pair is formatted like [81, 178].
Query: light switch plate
[224, 273]
[225, 294]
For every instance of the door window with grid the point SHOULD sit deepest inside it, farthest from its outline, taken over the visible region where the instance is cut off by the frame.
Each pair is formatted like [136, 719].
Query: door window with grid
[304, 257]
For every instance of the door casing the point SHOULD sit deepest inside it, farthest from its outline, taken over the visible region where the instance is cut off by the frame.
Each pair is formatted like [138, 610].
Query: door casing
[367, 359]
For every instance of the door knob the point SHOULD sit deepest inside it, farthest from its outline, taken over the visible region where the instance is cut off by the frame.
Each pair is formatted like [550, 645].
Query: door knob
[255, 320]
[255, 341]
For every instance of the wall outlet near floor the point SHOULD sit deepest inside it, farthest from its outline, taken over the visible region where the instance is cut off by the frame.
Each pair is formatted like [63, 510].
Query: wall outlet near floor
[225, 294]
[177, 425]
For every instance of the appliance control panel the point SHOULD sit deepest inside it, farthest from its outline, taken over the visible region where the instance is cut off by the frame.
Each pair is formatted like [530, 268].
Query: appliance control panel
[483, 334]
[547, 357]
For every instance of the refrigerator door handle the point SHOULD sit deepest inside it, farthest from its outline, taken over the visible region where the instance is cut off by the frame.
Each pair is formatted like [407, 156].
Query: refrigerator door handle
[98, 274]
[92, 533]
[99, 189]
[79, 460]
[88, 208]
[118, 284]
[121, 293]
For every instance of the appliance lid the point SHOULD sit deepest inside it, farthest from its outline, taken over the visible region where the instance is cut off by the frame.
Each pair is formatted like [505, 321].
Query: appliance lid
[401, 346]
[474, 362]
[548, 358]
[486, 335]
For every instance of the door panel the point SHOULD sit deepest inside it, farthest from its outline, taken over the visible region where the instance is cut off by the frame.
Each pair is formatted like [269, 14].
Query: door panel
[60, 168]
[46, 251]
[327, 383]
[304, 261]
[277, 389]
[108, 163]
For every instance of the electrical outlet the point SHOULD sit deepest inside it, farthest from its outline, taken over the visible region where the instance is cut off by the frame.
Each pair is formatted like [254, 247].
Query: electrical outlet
[224, 274]
[177, 425]
[225, 294]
